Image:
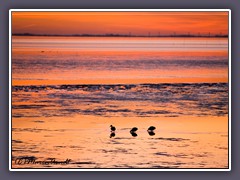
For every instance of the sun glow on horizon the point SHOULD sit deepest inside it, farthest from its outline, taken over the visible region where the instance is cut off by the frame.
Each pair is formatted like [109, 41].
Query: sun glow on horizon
[134, 23]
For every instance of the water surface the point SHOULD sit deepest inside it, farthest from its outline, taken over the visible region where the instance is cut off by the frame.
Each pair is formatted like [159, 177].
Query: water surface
[67, 91]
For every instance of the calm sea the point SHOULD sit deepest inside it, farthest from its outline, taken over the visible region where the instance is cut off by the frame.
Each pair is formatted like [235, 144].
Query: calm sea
[67, 91]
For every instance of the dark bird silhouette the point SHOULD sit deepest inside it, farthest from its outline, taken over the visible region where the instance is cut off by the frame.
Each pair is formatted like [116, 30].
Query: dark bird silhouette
[112, 128]
[151, 133]
[151, 128]
[133, 130]
[112, 134]
[133, 134]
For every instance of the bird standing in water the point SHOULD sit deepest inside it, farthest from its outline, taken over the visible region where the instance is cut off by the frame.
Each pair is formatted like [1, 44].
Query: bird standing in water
[133, 131]
[112, 128]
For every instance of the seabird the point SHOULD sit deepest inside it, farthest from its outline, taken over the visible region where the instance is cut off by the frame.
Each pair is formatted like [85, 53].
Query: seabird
[112, 128]
[151, 128]
[133, 130]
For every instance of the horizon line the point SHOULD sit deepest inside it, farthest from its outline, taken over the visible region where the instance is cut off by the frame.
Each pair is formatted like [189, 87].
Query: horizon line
[125, 35]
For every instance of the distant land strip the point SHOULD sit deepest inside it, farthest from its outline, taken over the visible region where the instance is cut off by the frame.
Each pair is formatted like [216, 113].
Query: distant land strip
[124, 35]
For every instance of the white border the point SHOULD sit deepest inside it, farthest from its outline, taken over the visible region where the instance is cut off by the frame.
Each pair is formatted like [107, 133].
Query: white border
[113, 10]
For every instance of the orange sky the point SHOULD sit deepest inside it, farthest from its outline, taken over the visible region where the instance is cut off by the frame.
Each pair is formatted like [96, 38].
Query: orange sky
[138, 23]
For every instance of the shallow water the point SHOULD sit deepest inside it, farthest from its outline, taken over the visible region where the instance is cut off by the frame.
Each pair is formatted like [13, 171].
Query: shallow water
[67, 92]
[72, 121]
[49, 60]
[144, 100]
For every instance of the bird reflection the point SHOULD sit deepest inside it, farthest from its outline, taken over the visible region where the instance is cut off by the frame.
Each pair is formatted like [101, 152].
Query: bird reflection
[112, 134]
[133, 134]
[151, 133]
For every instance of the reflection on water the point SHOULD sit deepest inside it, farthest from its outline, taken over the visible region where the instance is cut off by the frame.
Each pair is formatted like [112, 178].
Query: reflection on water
[119, 43]
[151, 133]
[67, 92]
[72, 121]
[112, 135]
[144, 100]
[49, 60]
[134, 134]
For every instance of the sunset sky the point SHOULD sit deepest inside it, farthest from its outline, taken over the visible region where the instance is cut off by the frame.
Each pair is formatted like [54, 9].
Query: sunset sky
[136, 23]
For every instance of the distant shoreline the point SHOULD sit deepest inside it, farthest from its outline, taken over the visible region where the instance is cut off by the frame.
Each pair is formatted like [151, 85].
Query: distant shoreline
[122, 35]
